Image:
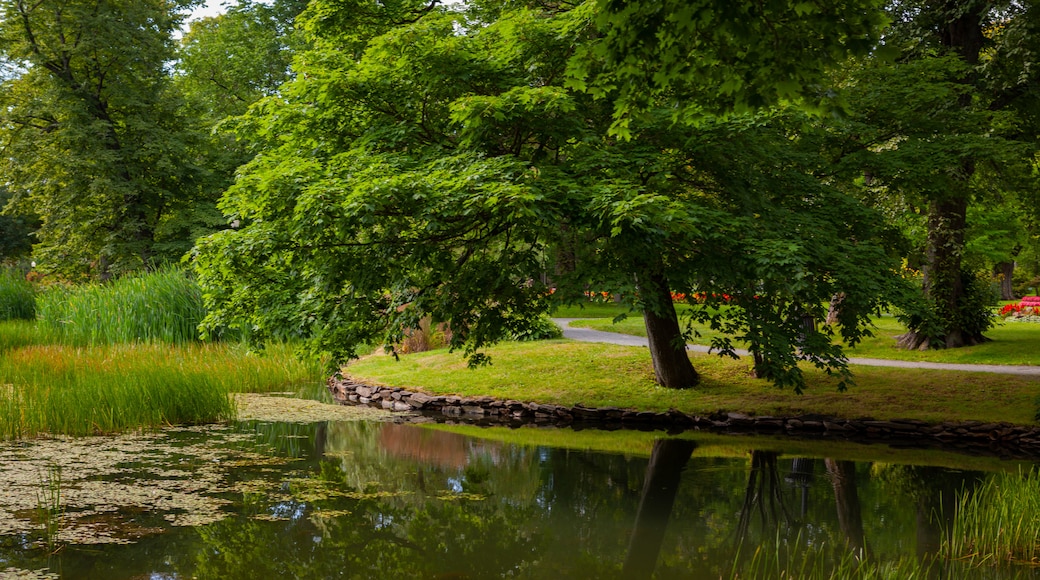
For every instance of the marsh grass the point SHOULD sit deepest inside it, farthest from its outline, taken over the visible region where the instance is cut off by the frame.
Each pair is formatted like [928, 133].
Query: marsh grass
[997, 525]
[50, 509]
[17, 297]
[161, 306]
[792, 558]
[58, 389]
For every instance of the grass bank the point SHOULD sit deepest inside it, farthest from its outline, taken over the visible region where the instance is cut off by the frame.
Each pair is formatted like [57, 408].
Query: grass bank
[1011, 343]
[565, 372]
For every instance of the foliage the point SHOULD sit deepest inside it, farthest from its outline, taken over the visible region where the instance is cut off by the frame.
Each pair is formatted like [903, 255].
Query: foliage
[941, 129]
[446, 171]
[229, 61]
[15, 230]
[164, 306]
[95, 142]
[17, 296]
[541, 329]
[708, 57]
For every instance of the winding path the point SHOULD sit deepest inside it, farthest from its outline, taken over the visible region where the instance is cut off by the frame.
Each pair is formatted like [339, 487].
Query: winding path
[589, 335]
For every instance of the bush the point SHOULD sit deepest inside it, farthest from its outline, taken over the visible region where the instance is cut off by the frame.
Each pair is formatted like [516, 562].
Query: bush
[17, 297]
[541, 329]
[162, 306]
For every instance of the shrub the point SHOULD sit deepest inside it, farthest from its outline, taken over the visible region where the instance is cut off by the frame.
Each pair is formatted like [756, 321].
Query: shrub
[541, 329]
[17, 297]
[427, 337]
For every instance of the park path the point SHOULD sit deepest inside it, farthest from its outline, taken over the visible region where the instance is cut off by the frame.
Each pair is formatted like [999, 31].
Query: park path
[590, 335]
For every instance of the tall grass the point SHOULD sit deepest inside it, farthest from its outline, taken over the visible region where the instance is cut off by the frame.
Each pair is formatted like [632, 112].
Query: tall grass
[162, 306]
[999, 524]
[78, 391]
[17, 298]
[793, 558]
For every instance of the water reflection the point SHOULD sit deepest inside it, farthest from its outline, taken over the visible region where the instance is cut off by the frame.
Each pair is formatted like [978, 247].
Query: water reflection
[383, 500]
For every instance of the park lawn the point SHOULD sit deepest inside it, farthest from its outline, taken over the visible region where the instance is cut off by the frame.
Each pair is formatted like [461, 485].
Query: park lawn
[1012, 343]
[566, 372]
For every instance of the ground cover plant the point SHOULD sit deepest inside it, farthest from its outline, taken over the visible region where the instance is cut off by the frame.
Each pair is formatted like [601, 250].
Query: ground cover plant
[566, 373]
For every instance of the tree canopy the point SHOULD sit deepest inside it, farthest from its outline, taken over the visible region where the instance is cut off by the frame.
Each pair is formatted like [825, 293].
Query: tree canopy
[440, 167]
[94, 140]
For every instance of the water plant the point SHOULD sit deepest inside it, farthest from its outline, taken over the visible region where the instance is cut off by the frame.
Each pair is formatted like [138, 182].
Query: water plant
[165, 305]
[17, 297]
[998, 524]
[56, 389]
[792, 557]
[50, 510]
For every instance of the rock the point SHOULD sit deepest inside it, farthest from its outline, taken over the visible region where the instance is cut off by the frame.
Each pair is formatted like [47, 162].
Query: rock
[364, 391]
[419, 400]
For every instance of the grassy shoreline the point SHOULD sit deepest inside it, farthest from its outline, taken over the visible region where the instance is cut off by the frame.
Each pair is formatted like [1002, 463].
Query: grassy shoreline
[566, 372]
[50, 388]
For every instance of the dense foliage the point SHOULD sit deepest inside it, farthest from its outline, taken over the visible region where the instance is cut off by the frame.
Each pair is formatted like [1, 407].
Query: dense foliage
[478, 163]
[446, 170]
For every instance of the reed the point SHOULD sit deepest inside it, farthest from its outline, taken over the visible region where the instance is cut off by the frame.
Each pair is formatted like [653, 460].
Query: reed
[997, 525]
[793, 558]
[161, 306]
[17, 297]
[60, 389]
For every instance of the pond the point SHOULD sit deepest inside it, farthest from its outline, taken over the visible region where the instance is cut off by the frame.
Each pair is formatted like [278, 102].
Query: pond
[367, 497]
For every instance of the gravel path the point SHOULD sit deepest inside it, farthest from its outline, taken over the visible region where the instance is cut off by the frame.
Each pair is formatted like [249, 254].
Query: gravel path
[589, 335]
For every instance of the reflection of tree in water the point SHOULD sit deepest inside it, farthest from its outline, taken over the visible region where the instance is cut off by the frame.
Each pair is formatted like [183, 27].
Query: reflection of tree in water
[763, 495]
[410, 502]
[660, 486]
[936, 492]
[846, 502]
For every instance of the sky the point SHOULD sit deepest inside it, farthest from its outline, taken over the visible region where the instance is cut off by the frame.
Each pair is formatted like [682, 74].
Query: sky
[212, 8]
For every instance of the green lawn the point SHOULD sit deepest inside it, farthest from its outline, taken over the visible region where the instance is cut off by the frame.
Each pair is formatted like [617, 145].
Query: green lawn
[566, 372]
[1012, 343]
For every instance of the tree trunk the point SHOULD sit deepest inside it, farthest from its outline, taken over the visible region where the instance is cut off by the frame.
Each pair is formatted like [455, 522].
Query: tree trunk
[943, 280]
[660, 486]
[672, 367]
[1005, 271]
[944, 284]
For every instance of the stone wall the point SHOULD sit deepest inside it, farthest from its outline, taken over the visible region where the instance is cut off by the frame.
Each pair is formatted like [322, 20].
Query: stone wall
[1000, 439]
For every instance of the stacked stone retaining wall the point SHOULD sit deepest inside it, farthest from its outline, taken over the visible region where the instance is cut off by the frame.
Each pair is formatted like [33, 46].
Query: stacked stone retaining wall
[1000, 439]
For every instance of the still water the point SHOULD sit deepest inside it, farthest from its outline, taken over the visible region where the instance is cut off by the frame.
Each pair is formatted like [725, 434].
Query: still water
[376, 499]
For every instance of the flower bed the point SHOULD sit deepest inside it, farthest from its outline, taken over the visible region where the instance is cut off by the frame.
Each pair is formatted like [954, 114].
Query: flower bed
[1028, 310]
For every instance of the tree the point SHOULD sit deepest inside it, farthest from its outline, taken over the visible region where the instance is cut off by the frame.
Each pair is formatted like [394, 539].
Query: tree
[709, 57]
[948, 124]
[93, 137]
[228, 62]
[439, 167]
[15, 231]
